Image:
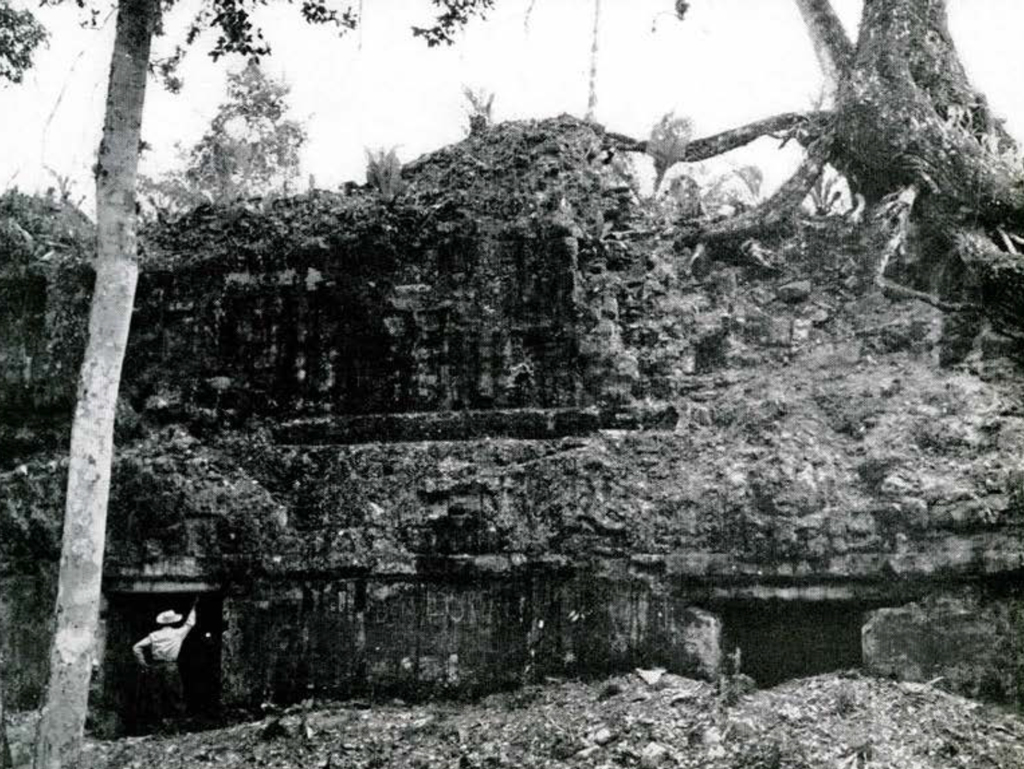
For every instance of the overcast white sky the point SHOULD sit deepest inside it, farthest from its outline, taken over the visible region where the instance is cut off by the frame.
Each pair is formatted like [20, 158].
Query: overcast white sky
[729, 62]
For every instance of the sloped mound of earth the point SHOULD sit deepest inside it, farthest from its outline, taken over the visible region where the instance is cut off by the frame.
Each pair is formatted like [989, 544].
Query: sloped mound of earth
[652, 721]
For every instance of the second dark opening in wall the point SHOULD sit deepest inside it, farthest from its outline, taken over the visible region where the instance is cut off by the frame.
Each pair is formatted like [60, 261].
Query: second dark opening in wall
[782, 640]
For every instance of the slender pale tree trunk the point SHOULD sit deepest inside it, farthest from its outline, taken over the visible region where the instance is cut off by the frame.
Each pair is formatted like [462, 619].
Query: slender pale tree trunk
[62, 722]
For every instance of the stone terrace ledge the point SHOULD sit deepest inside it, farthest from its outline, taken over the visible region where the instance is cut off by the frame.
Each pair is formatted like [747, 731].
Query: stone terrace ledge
[866, 576]
[526, 423]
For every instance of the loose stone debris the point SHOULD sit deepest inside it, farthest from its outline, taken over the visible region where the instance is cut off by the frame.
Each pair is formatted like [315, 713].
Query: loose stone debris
[837, 720]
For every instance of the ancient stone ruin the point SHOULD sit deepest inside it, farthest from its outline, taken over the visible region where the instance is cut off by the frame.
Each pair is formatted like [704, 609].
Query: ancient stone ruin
[498, 429]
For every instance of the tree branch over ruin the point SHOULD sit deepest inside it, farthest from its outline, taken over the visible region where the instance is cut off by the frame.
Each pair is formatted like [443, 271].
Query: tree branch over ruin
[806, 126]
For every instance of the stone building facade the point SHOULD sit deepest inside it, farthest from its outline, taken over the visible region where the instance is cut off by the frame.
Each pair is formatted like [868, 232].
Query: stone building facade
[498, 430]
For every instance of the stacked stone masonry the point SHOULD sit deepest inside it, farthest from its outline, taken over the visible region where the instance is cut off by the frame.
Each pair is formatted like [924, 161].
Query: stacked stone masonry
[499, 430]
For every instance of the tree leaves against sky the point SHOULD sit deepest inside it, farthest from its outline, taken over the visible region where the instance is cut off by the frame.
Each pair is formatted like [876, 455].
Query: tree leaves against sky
[250, 149]
[20, 35]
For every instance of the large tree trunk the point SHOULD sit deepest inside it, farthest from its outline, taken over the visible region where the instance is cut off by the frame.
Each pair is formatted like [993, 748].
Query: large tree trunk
[81, 565]
[941, 175]
[908, 114]
[909, 118]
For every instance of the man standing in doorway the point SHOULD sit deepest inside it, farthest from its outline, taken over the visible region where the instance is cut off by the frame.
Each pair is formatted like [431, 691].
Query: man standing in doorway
[160, 690]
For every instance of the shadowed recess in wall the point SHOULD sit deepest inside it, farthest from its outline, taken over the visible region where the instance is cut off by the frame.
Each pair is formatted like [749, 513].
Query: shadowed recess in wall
[781, 640]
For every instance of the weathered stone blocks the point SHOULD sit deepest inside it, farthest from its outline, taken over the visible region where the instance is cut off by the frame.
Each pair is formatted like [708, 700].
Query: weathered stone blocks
[973, 646]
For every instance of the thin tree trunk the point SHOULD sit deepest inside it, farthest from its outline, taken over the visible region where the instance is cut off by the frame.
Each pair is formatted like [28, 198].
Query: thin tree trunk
[832, 47]
[62, 722]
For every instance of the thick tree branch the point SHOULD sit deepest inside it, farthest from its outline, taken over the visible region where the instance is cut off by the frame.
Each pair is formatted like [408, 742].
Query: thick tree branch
[831, 44]
[908, 115]
[811, 124]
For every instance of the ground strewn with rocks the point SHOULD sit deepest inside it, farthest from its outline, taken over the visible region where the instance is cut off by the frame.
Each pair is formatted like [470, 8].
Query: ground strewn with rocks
[839, 720]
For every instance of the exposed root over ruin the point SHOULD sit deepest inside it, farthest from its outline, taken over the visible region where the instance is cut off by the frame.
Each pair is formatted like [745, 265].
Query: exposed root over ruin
[894, 214]
[771, 215]
[804, 126]
[997, 277]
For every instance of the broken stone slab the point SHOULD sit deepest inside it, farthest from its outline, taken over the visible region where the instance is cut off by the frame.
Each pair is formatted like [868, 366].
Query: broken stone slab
[965, 642]
[795, 291]
[650, 677]
[682, 689]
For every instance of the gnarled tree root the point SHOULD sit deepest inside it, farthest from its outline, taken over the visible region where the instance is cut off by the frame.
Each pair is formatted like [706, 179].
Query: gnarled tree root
[806, 126]
[894, 213]
[771, 215]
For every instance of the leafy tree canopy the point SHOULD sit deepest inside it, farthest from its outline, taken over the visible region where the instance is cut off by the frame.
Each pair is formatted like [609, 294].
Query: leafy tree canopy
[238, 33]
[250, 149]
[20, 35]
[41, 228]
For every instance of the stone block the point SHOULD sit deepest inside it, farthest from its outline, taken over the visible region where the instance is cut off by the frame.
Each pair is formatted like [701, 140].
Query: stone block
[702, 640]
[795, 291]
[654, 755]
[779, 333]
[972, 646]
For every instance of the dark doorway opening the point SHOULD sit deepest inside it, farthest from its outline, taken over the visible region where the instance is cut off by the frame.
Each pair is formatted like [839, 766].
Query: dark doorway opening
[781, 640]
[130, 617]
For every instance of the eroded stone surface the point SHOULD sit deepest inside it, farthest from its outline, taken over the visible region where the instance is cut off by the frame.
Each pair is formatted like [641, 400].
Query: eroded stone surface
[973, 645]
[514, 378]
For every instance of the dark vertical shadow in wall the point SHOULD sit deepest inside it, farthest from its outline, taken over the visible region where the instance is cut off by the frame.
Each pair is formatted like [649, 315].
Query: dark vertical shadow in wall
[781, 640]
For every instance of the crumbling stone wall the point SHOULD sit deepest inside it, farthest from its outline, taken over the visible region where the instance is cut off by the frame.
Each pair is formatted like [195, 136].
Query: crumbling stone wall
[970, 641]
[322, 336]
[461, 294]
[357, 636]
[511, 371]
[25, 634]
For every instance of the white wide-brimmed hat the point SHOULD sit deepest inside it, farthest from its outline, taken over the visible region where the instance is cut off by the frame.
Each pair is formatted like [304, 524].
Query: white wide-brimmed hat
[169, 617]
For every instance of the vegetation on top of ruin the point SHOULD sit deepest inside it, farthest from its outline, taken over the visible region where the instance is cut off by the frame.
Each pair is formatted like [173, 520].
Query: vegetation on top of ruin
[42, 230]
[502, 178]
[250, 149]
